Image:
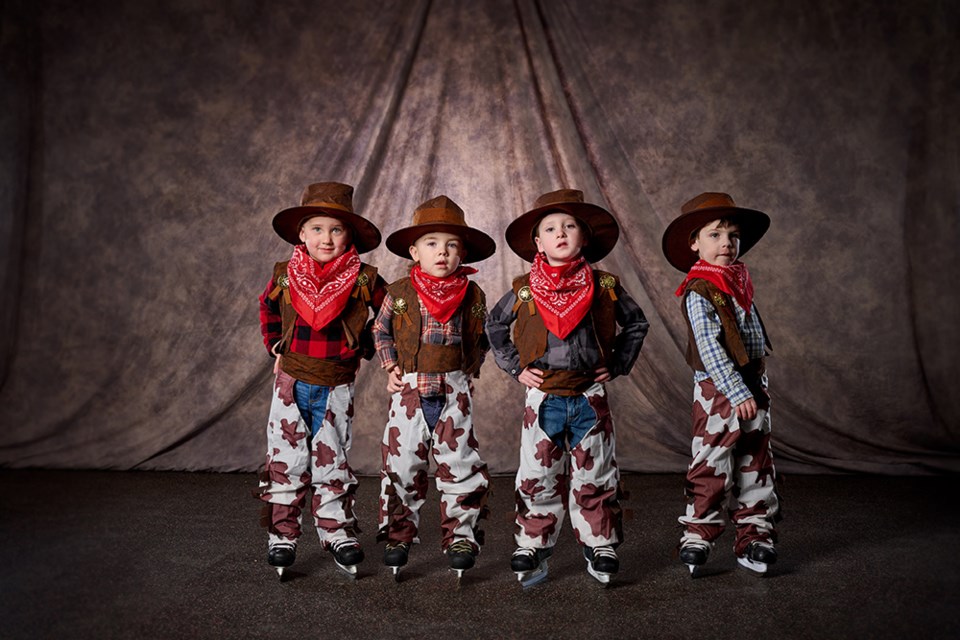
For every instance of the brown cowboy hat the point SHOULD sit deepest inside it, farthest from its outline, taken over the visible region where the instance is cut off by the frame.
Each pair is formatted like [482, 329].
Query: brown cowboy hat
[442, 214]
[602, 228]
[702, 210]
[332, 199]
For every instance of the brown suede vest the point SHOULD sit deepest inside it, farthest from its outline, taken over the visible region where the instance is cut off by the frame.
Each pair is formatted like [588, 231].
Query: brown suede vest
[530, 334]
[353, 318]
[412, 355]
[729, 338]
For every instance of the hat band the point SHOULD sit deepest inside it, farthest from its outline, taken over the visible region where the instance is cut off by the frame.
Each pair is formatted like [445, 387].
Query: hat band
[328, 205]
[438, 216]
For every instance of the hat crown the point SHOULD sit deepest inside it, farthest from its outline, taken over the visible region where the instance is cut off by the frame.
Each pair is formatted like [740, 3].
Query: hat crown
[560, 196]
[328, 194]
[708, 200]
[439, 210]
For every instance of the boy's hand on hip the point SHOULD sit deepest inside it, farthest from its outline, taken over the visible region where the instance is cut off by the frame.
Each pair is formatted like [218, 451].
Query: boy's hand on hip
[394, 384]
[747, 410]
[276, 358]
[602, 374]
[532, 378]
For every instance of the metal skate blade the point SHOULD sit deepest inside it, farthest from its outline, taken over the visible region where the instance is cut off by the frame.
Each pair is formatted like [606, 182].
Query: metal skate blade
[280, 572]
[348, 570]
[695, 570]
[756, 568]
[602, 578]
[459, 573]
[530, 578]
[396, 573]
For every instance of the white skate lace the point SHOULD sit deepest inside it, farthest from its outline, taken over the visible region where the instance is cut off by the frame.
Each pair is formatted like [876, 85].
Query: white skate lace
[398, 545]
[696, 544]
[524, 552]
[604, 552]
[337, 545]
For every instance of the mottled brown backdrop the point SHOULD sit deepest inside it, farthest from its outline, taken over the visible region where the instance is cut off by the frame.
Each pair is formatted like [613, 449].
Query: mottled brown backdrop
[146, 146]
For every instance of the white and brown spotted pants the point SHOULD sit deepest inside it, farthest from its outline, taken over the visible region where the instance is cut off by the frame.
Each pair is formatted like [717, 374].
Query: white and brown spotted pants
[300, 457]
[550, 480]
[730, 457]
[461, 476]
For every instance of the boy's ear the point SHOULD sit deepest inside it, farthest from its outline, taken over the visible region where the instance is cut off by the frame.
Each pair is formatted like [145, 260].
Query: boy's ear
[414, 254]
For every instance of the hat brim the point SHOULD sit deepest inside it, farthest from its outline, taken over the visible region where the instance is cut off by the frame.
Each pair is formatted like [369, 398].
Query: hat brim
[479, 245]
[365, 235]
[676, 238]
[604, 232]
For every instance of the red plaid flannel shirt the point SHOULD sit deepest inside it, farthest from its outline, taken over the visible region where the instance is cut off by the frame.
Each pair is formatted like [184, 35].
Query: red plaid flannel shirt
[329, 343]
[432, 332]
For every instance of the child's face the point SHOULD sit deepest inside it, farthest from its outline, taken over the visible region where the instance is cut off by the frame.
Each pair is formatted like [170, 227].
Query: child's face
[438, 253]
[326, 238]
[718, 243]
[560, 238]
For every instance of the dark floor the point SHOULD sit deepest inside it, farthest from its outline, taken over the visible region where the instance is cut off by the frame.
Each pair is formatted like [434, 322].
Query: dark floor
[178, 555]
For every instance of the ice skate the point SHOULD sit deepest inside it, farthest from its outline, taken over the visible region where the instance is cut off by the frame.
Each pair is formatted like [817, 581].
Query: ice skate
[395, 555]
[758, 556]
[530, 565]
[462, 555]
[347, 554]
[281, 555]
[694, 554]
[602, 563]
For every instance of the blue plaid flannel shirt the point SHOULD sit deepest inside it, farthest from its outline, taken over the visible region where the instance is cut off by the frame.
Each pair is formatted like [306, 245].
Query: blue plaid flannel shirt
[719, 366]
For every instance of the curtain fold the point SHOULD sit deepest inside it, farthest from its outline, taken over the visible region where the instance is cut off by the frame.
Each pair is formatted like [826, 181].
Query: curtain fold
[151, 146]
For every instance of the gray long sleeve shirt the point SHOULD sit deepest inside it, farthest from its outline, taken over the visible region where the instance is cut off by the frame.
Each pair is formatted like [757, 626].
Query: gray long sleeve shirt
[579, 350]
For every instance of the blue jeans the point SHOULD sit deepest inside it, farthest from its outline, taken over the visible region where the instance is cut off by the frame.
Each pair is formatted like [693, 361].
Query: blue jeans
[566, 417]
[431, 407]
[312, 402]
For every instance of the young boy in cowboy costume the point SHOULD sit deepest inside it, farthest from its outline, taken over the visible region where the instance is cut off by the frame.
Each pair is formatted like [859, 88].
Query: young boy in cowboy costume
[429, 338]
[565, 347]
[731, 408]
[313, 316]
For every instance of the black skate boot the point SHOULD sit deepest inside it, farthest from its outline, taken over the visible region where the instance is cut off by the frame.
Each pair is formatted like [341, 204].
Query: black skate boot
[602, 562]
[694, 554]
[395, 555]
[530, 565]
[758, 556]
[462, 555]
[347, 554]
[281, 555]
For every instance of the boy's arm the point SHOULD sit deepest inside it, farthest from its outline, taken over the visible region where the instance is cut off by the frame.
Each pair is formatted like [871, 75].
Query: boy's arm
[271, 324]
[633, 329]
[367, 346]
[706, 331]
[498, 324]
[383, 334]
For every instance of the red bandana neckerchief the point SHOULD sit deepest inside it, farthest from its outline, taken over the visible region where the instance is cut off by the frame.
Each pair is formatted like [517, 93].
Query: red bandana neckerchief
[734, 280]
[563, 294]
[319, 292]
[441, 296]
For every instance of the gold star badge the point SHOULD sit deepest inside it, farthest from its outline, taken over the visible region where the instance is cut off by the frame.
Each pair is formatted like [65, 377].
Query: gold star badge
[283, 281]
[718, 300]
[479, 310]
[363, 280]
[525, 294]
[400, 306]
[607, 281]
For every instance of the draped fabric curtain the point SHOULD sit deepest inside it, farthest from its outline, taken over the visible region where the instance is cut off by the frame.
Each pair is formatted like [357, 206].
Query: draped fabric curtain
[147, 147]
